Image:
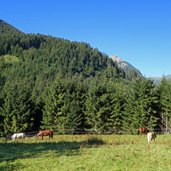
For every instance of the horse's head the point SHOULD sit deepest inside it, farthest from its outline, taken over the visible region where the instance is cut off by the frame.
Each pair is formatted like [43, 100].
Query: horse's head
[13, 136]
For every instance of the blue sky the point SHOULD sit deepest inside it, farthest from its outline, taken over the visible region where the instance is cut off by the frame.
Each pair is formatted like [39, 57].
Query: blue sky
[138, 31]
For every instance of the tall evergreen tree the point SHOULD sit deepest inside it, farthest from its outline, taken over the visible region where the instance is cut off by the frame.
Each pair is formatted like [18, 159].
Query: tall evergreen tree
[17, 107]
[117, 102]
[64, 105]
[165, 96]
[140, 109]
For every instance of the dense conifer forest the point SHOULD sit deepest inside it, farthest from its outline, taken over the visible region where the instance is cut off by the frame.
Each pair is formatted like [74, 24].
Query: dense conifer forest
[53, 83]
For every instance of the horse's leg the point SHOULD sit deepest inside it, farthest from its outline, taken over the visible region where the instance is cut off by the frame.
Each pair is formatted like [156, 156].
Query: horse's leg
[14, 138]
[139, 132]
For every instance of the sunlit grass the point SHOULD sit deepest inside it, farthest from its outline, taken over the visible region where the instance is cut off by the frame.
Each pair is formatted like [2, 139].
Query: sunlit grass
[87, 152]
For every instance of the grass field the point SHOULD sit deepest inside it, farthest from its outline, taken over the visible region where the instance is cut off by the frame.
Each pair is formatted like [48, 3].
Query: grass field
[87, 152]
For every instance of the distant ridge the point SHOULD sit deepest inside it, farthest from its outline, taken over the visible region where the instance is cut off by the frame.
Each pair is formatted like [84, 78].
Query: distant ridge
[158, 79]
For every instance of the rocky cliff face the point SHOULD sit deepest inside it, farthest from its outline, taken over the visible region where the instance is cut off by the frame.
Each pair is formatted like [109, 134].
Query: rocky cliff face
[130, 71]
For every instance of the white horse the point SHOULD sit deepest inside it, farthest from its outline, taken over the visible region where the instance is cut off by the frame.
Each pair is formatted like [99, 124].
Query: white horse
[151, 136]
[18, 135]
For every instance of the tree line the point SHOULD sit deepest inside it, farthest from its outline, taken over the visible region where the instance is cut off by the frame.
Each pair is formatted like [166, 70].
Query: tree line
[93, 104]
[52, 83]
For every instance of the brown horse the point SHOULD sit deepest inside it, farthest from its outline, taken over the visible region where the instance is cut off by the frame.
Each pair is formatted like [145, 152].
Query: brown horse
[45, 133]
[143, 130]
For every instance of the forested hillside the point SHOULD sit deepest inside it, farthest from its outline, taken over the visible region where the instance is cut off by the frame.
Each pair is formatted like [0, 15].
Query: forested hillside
[53, 83]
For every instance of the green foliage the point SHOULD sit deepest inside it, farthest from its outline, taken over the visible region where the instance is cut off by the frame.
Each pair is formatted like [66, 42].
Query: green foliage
[104, 106]
[17, 107]
[141, 105]
[53, 83]
[64, 106]
[165, 96]
[9, 59]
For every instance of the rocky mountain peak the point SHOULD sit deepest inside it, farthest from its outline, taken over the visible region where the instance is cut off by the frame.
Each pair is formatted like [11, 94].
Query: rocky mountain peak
[116, 58]
[130, 71]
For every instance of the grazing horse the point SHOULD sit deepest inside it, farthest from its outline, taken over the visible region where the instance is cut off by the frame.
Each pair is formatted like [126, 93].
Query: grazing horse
[45, 133]
[18, 135]
[143, 130]
[151, 136]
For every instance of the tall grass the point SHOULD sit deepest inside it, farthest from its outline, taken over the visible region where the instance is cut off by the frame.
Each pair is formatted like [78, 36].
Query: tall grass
[87, 152]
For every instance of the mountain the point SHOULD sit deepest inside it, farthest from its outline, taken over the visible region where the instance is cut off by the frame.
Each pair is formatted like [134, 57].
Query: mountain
[46, 56]
[53, 83]
[168, 77]
[130, 71]
[55, 55]
[32, 66]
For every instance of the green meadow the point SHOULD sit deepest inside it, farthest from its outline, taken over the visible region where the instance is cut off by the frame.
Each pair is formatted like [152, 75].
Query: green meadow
[87, 152]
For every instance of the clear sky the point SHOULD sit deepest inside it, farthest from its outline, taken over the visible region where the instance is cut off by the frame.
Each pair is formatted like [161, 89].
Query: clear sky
[138, 31]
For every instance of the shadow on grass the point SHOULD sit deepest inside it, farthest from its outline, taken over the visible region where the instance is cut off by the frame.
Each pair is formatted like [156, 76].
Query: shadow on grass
[20, 150]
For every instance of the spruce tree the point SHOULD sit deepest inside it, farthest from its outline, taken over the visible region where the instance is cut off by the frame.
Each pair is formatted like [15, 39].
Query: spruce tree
[17, 108]
[165, 96]
[140, 108]
[64, 106]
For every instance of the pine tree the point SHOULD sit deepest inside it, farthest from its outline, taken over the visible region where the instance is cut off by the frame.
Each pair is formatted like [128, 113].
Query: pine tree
[140, 109]
[116, 106]
[64, 105]
[99, 106]
[54, 100]
[165, 96]
[17, 107]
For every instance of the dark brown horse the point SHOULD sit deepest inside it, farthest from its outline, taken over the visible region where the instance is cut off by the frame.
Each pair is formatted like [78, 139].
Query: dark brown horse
[143, 130]
[45, 133]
